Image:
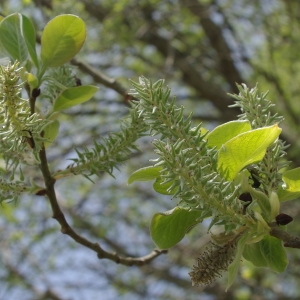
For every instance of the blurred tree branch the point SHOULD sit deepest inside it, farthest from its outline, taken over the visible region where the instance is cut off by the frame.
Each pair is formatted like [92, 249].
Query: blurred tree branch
[227, 65]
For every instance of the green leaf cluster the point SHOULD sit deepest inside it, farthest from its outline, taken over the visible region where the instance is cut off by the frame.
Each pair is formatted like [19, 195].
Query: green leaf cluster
[62, 38]
[210, 171]
[25, 130]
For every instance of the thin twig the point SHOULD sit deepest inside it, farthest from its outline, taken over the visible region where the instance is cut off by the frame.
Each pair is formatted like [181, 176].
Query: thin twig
[289, 240]
[67, 229]
[102, 79]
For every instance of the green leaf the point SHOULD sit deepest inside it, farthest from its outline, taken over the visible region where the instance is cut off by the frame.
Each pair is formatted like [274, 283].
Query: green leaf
[246, 148]
[51, 132]
[151, 173]
[12, 38]
[18, 37]
[62, 39]
[274, 253]
[163, 188]
[225, 132]
[168, 228]
[291, 187]
[253, 254]
[73, 96]
[32, 80]
[234, 266]
[145, 174]
[269, 252]
[262, 200]
[30, 38]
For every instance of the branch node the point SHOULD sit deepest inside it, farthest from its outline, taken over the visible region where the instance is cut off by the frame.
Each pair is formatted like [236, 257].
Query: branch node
[64, 230]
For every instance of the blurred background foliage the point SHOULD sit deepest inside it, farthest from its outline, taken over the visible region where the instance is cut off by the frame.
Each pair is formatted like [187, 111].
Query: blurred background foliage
[202, 48]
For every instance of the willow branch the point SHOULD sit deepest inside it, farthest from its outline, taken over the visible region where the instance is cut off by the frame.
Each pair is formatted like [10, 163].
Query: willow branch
[289, 240]
[68, 230]
[102, 78]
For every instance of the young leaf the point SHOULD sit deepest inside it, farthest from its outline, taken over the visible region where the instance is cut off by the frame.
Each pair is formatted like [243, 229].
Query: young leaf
[32, 80]
[168, 228]
[164, 188]
[30, 38]
[253, 254]
[145, 174]
[51, 132]
[291, 188]
[234, 266]
[12, 38]
[151, 173]
[274, 253]
[246, 148]
[225, 132]
[62, 39]
[262, 200]
[74, 96]
[268, 252]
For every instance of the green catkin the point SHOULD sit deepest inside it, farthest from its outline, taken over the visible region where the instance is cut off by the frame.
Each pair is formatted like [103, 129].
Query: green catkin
[18, 127]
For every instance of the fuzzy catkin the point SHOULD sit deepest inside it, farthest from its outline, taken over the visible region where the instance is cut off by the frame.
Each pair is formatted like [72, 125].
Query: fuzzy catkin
[212, 263]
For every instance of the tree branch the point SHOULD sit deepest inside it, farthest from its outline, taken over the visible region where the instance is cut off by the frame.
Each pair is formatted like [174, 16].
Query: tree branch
[190, 70]
[272, 77]
[67, 229]
[218, 42]
[289, 240]
[192, 74]
[102, 78]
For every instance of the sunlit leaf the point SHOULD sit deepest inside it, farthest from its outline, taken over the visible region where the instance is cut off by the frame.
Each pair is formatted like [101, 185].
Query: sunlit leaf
[291, 188]
[32, 80]
[246, 148]
[62, 39]
[225, 132]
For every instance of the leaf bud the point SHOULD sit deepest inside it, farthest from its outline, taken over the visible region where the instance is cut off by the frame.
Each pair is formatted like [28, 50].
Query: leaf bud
[283, 219]
[245, 197]
[36, 92]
